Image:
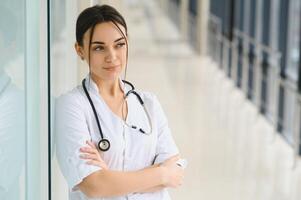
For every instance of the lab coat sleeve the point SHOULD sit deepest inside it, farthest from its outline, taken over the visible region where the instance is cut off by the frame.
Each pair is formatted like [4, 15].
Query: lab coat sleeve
[71, 134]
[166, 146]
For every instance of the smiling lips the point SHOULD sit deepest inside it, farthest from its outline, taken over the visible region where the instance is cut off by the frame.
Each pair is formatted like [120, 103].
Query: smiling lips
[111, 68]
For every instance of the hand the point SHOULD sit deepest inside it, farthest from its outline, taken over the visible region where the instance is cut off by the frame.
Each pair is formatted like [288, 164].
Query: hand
[92, 155]
[173, 173]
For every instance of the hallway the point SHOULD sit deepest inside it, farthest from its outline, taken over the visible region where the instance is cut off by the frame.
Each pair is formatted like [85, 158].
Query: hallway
[223, 116]
[233, 151]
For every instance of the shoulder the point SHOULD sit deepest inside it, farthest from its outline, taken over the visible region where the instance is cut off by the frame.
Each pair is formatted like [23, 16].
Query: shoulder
[150, 99]
[72, 98]
[147, 97]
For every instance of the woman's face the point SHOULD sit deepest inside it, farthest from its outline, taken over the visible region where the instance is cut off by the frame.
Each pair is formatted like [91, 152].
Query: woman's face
[107, 51]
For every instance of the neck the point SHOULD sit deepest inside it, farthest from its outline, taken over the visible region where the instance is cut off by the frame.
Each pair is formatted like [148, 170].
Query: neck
[107, 87]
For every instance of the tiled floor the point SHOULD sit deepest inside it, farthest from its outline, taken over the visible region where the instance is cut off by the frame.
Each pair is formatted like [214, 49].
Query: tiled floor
[233, 152]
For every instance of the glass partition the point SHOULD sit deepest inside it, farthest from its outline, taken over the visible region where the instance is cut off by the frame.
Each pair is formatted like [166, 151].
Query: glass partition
[12, 100]
[21, 146]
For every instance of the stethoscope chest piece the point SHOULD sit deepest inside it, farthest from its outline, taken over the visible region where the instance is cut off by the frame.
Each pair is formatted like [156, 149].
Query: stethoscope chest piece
[104, 145]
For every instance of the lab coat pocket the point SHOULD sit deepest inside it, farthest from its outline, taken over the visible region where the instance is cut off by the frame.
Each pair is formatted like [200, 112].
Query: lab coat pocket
[143, 148]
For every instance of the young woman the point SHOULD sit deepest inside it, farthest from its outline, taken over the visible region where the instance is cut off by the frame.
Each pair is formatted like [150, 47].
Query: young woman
[113, 142]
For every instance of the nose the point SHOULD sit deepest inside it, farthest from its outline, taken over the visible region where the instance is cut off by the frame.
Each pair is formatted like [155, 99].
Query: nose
[111, 56]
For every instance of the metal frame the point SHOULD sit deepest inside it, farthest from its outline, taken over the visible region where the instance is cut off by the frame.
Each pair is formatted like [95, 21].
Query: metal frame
[49, 100]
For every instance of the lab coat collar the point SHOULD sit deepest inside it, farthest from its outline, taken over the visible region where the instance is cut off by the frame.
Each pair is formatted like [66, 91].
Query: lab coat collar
[92, 87]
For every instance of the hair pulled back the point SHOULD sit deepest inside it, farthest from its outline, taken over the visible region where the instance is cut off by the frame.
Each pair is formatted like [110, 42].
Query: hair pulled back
[97, 14]
[94, 15]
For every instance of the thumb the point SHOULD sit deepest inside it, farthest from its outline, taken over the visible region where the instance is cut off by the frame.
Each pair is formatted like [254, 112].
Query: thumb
[175, 158]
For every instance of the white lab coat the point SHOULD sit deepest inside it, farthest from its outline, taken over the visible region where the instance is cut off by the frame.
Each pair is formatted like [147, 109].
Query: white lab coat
[130, 150]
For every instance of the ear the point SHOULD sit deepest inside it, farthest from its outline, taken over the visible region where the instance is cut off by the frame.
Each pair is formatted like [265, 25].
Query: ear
[79, 50]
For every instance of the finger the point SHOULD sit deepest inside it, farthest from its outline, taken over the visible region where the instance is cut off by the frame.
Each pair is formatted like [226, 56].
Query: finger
[88, 150]
[92, 157]
[94, 162]
[97, 163]
[174, 158]
[91, 144]
[89, 156]
[177, 156]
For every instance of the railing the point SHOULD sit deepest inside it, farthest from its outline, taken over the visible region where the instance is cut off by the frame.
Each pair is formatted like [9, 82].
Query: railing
[267, 81]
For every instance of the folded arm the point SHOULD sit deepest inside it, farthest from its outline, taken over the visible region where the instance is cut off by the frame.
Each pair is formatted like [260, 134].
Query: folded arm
[108, 183]
[130, 182]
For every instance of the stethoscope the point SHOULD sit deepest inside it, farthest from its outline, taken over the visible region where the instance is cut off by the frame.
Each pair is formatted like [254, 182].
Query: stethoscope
[104, 144]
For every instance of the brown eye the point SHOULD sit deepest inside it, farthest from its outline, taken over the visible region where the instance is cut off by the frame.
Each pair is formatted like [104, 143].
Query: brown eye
[120, 45]
[98, 48]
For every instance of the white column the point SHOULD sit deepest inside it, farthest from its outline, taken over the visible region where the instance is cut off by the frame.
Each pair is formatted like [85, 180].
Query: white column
[202, 25]
[184, 18]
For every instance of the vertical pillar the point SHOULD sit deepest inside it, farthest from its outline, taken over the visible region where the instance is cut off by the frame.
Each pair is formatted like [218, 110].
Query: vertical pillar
[202, 25]
[163, 5]
[184, 19]
[274, 61]
[246, 42]
[258, 54]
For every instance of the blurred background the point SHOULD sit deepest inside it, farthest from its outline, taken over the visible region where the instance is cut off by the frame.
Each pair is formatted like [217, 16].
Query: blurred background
[227, 73]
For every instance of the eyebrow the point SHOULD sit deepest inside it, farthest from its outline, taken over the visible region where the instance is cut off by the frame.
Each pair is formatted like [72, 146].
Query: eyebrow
[99, 42]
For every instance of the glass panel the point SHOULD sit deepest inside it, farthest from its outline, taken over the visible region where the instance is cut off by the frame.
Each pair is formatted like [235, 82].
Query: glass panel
[251, 58]
[283, 31]
[239, 62]
[12, 100]
[252, 19]
[241, 14]
[227, 17]
[266, 21]
[193, 7]
[237, 13]
[294, 40]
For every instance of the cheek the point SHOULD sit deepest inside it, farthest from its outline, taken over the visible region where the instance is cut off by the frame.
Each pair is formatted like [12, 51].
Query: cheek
[96, 59]
[123, 58]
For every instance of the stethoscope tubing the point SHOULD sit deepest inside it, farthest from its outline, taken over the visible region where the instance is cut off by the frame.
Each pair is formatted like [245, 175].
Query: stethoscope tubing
[93, 108]
[104, 144]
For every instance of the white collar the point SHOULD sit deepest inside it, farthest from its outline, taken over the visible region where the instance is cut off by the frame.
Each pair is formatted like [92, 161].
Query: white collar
[92, 87]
